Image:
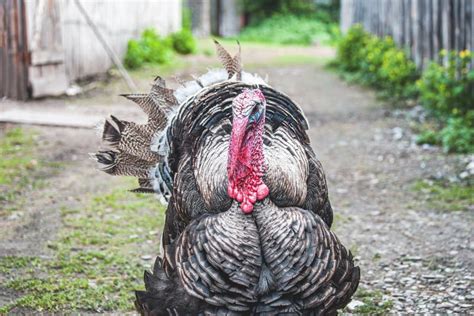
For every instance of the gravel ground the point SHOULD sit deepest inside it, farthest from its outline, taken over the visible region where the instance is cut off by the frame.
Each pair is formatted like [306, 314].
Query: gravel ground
[420, 259]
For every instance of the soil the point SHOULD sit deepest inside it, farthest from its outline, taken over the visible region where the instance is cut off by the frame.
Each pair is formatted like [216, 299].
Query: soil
[420, 259]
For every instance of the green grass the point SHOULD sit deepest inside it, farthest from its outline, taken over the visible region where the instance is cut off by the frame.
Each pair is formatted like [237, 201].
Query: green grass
[374, 302]
[446, 196]
[18, 166]
[290, 29]
[96, 261]
[21, 168]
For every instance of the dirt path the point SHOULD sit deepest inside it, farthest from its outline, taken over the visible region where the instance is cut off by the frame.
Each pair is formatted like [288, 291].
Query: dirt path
[412, 258]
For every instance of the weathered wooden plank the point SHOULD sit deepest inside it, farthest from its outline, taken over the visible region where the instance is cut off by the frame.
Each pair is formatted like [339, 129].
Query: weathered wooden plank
[436, 27]
[23, 84]
[424, 27]
[2, 48]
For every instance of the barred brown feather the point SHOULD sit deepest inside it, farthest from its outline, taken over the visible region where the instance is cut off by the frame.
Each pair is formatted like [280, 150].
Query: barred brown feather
[231, 64]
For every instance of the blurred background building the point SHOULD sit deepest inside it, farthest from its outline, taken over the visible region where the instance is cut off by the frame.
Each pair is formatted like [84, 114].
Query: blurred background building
[47, 44]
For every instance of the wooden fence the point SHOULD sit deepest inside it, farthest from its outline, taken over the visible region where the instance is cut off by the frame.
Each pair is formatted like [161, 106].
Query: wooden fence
[424, 27]
[13, 50]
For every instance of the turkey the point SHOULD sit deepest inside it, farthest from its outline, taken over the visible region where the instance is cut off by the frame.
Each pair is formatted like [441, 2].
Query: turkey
[247, 229]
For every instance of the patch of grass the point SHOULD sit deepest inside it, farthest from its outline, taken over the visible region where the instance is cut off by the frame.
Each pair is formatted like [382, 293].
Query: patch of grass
[10, 262]
[446, 196]
[20, 168]
[290, 29]
[96, 263]
[17, 163]
[374, 302]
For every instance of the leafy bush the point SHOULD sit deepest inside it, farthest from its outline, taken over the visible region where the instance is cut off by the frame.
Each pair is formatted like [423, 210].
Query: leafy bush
[134, 57]
[377, 62]
[458, 135]
[184, 42]
[156, 49]
[373, 56]
[153, 48]
[447, 92]
[350, 49]
[398, 74]
[290, 29]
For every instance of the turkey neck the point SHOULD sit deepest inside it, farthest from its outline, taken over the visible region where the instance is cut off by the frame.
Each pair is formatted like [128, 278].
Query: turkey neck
[246, 163]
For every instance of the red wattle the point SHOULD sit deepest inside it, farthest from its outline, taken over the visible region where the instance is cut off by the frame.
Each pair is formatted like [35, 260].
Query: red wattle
[262, 191]
[252, 198]
[240, 197]
[246, 207]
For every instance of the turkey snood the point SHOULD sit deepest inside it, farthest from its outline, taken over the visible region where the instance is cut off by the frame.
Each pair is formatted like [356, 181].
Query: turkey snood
[246, 162]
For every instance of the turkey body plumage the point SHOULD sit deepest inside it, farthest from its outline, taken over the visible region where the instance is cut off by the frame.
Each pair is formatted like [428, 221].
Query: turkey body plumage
[281, 258]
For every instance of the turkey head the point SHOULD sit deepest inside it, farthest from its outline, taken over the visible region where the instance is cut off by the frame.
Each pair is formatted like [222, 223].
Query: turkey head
[246, 161]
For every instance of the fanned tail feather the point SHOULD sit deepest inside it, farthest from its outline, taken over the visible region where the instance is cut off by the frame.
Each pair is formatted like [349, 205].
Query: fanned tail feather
[126, 145]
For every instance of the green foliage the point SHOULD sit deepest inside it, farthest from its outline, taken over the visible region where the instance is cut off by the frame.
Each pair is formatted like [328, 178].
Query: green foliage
[96, 263]
[350, 48]
[262, 9]
[155, 49]
[458, 135]
[445, 196]
[290, 29]
[377, 62]
[428, 136]
[134, 57]
[447, 91]
[151, 48]
[17, 163]
[398, 74]
[184, 42]
[374, 302]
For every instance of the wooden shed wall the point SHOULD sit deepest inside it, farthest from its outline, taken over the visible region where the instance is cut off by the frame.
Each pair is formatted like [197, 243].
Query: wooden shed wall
[118, 20]
[424, 27]
[13, 50]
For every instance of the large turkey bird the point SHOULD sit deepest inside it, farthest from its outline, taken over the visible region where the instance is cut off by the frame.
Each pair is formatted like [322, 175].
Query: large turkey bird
[248, 217]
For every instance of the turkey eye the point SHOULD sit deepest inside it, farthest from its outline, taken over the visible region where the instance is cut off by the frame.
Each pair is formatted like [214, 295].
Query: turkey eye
[255, 110]
[255, 114]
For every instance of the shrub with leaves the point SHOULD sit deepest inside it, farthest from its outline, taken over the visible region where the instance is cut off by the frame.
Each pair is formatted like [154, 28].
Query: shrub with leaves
[398, 74]
[447, 92]
[446, 89]
[377, 62]
[373, 57]
[151, 48]
[155, 49]
[184, 42]
[350, 49]
[134, 57]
